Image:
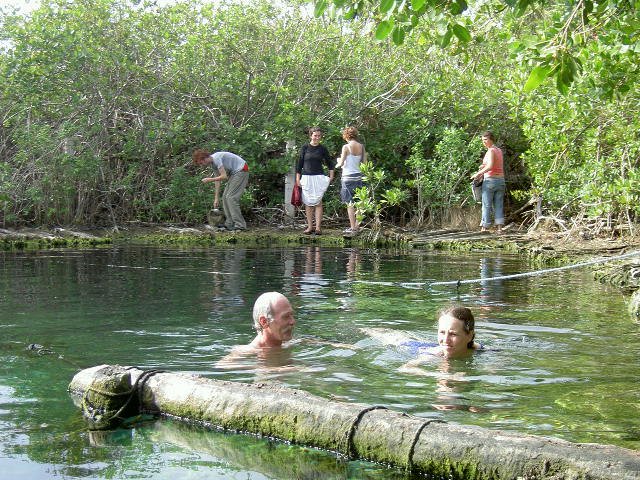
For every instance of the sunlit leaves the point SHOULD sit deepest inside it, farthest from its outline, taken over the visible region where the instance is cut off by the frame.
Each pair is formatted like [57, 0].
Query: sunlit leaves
[386, 5]
[395, 196]
[568, 27]
[320, 7]
[461, 32]
[536, 77]
[384, 29]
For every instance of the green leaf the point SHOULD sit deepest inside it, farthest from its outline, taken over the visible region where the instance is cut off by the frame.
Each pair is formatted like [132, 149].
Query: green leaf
[562, 87]
[521, 7]
[457, 7]
[536, 77]
[351, 14]
[461, 32]
[384, 29]
[446, 38]
[398, 36]
[417, 4]
[320, 7]
[386, 5]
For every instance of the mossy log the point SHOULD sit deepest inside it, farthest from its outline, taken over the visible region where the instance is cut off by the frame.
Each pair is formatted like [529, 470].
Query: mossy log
[371, 433]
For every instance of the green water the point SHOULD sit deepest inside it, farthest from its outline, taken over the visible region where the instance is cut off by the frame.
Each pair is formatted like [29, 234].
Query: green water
[561, 359]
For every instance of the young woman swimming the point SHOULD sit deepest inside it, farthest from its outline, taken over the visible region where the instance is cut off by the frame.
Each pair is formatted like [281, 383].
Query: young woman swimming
[456, 334]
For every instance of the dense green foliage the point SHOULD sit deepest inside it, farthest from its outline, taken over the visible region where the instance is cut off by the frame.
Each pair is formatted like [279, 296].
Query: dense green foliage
[104, 100]
[557, 34]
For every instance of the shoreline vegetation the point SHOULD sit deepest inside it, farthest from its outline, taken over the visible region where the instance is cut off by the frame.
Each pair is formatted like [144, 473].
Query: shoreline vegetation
[543, 249]
[105, 101]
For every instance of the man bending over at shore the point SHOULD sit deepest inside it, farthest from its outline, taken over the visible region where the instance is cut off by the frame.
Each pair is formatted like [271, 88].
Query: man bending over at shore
[274, 322]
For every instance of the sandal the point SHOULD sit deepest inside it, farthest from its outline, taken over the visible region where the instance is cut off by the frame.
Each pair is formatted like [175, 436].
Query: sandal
[318, 232]
[308, 232]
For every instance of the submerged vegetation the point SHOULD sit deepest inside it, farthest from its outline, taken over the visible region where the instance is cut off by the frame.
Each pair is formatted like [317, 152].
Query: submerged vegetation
[104, 100]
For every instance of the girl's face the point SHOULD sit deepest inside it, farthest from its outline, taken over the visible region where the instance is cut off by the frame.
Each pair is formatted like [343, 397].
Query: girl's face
[452, 338]
[315, 138]
[486, 141]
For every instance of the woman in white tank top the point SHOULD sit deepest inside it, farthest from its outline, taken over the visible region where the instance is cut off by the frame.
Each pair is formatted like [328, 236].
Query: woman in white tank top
[353, 154]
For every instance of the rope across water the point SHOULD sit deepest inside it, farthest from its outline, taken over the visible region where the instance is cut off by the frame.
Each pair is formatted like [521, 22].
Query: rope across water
[457, 283]
[595, 261]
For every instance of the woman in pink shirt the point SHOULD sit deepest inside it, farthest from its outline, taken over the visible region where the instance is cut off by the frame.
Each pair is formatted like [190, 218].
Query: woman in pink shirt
[493, 185]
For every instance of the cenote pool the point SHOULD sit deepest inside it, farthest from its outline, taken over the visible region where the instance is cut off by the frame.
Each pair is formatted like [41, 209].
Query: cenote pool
[562, 359]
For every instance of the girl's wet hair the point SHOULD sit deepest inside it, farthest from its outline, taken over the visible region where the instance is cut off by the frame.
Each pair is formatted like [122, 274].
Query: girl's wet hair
[465, 316]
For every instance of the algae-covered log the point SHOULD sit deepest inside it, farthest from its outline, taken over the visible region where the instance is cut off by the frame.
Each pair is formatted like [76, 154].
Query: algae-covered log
[370, 433]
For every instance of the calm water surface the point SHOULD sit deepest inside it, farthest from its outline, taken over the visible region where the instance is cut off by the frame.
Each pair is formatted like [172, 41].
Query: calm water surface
[562, 355]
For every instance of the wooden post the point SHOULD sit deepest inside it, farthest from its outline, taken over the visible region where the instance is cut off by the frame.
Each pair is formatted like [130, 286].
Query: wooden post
[289, 182]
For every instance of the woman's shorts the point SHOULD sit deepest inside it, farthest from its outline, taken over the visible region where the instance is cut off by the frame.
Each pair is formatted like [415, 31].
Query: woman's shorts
[348, 190]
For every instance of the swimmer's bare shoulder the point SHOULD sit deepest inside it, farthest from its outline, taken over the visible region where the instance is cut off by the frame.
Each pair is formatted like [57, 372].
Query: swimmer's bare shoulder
[233, 358]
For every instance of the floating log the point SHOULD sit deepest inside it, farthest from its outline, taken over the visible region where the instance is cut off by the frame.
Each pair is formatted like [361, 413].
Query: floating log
[367, 432]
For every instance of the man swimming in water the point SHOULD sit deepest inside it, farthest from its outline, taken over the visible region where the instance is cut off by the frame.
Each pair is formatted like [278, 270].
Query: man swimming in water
[274, 322]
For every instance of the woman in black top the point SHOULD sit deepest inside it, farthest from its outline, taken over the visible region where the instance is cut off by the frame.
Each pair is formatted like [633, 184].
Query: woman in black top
[310, 176]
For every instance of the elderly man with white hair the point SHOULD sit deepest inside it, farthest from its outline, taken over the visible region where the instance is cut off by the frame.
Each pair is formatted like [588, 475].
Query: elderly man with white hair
[273, 320]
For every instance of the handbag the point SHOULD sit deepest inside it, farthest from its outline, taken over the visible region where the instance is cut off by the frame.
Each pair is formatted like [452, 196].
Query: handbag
[476, 190]
[296, 196]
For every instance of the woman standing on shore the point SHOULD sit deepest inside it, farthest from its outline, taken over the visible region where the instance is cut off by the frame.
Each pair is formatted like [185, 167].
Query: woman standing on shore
[310, 176]
[353, 155]
[493, 185]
